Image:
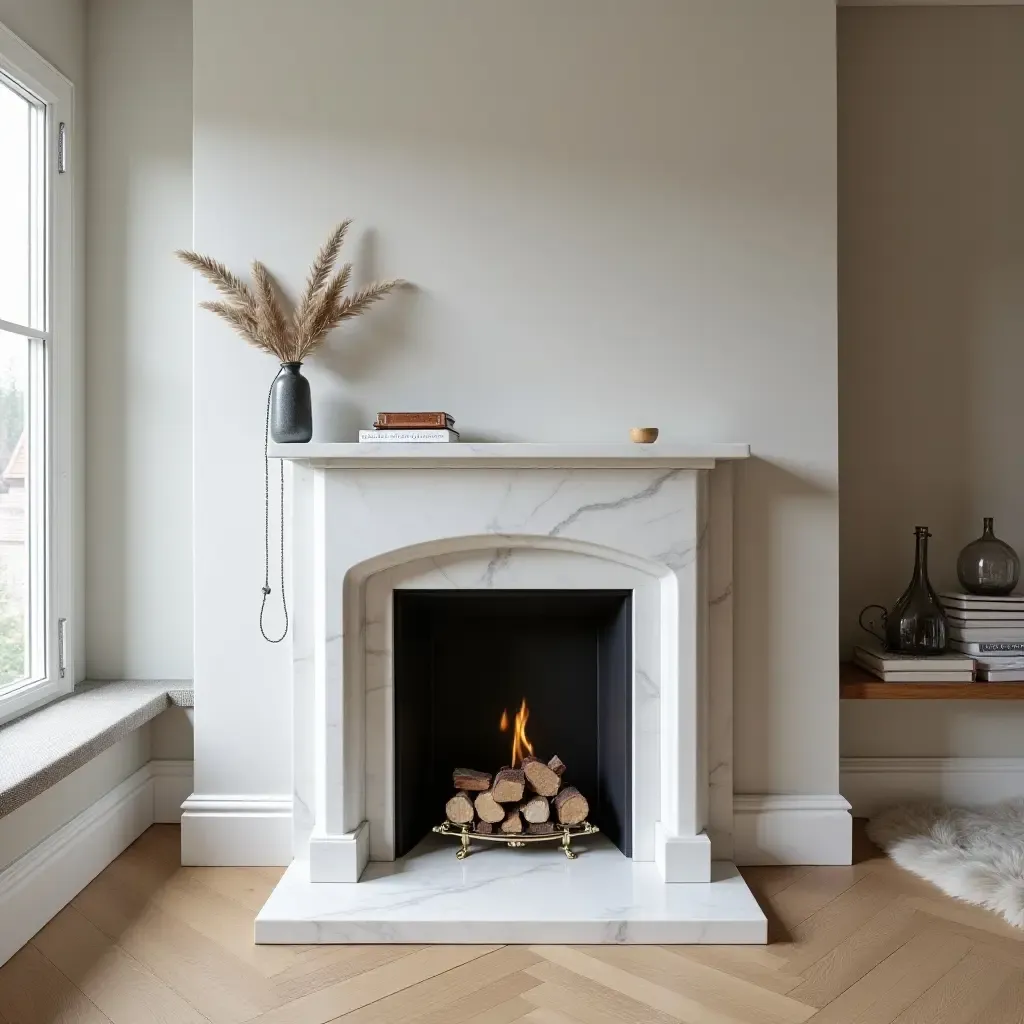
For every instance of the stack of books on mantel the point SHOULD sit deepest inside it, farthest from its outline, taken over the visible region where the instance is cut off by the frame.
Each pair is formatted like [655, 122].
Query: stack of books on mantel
[909, 668]
[410, 428]
[991, 631]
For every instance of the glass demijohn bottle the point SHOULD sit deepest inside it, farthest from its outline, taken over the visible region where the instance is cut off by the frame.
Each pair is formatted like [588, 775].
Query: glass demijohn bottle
[988, 565]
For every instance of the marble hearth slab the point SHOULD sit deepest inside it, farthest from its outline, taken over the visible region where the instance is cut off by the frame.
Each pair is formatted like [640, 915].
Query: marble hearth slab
[503, 896]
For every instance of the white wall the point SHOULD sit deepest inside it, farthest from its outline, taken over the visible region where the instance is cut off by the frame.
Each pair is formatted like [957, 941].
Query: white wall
[139, 386]
[612, 213]
[932, 306]
[171, 733]
[55, 29]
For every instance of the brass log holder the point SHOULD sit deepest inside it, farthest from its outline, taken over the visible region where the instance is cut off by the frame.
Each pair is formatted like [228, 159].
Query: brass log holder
[565, 833]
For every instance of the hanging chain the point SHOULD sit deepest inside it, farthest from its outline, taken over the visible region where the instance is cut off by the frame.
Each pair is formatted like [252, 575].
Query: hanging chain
[266, 530]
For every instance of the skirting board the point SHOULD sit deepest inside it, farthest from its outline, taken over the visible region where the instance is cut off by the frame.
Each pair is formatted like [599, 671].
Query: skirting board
[873, 783]
[172, 786]
[236, 831]
[43, 881]
[792, 829]
[239, 831]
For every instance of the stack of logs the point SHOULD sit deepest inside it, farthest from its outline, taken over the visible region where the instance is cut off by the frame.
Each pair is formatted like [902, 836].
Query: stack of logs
[518, 800]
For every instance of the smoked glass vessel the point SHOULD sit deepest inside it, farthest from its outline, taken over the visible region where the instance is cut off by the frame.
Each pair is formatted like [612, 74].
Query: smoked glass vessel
[988, 565]
[916, 624]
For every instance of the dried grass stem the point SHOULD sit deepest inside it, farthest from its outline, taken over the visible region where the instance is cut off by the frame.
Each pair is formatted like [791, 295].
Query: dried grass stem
[258, 311]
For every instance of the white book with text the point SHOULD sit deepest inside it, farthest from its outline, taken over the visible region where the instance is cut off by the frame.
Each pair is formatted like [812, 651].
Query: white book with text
[876, 659]
[408, 436]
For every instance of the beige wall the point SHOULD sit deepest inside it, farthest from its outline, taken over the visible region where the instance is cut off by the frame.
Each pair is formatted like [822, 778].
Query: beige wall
[931, 355]
[139, 374]
[613, 213]
[55, 29]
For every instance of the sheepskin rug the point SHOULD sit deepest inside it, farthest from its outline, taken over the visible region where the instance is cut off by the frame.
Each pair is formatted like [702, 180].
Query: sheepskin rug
[975, 855]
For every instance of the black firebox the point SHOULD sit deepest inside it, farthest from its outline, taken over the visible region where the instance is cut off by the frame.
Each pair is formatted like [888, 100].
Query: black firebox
[462, 657]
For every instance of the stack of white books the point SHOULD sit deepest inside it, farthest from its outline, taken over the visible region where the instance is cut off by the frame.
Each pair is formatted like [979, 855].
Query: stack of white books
[990, 630]
[911, 668]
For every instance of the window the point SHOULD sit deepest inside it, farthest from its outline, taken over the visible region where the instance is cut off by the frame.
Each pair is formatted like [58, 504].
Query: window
[36, 325]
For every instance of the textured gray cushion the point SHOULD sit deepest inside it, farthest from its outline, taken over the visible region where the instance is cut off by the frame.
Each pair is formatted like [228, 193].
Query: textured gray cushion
[47, 745]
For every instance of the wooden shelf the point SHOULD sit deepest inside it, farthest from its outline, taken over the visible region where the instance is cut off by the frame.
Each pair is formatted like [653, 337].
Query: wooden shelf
[856, 683]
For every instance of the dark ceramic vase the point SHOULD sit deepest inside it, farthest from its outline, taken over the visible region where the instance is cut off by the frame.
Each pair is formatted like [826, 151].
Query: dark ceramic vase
[917, 624]
[291, 409]
[988, 565]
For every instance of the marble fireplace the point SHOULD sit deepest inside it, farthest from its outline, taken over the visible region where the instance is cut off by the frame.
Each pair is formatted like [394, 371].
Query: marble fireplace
[646, 530]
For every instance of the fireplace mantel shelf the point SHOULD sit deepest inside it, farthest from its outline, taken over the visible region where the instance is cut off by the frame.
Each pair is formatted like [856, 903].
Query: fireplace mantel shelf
[609, 456]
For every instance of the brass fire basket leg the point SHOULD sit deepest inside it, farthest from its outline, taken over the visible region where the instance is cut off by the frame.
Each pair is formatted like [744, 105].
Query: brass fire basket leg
[565, 833]
[566, 841]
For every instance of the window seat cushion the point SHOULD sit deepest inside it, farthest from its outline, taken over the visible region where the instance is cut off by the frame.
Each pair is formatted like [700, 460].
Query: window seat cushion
[45, 746]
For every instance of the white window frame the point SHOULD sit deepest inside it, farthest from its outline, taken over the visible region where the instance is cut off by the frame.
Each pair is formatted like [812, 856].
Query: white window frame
[51, 463]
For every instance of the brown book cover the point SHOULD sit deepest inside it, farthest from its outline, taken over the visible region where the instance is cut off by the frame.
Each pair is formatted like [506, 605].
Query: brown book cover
[413, 421]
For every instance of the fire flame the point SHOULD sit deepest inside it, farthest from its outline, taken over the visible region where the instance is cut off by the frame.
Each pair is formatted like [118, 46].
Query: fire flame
[520, 743]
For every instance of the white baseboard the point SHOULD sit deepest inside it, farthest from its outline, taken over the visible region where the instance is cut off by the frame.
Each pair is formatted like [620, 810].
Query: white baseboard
[43, 881]
[172, 786]
[792, 829]
[873, 783]
[236, 831]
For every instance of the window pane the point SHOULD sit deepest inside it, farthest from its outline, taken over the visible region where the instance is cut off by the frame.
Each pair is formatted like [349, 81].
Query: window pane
[18, 219]
[15, 500]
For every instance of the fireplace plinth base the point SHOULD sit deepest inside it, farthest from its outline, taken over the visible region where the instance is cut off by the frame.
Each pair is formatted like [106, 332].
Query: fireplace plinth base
[682, 858]
[339, 858]
[512, 896]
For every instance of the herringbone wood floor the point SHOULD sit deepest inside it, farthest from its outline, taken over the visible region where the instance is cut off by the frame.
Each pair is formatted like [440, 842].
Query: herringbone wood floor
[149, 941]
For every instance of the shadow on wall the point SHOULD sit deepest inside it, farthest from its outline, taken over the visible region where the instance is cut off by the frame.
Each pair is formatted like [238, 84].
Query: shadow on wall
[778, 534]
[360, 350]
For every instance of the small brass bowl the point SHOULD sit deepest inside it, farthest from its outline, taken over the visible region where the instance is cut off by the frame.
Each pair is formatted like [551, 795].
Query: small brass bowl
[643, 435]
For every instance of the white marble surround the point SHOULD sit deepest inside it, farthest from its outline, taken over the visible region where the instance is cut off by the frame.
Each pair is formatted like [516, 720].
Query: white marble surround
[369, 519]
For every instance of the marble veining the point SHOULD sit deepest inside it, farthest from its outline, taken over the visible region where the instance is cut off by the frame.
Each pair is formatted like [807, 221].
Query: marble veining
[646, 683]
[678, 557]
[615, 504]
[498, 561]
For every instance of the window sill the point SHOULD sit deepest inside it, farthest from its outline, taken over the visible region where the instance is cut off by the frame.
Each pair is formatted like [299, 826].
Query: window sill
[47, 745]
